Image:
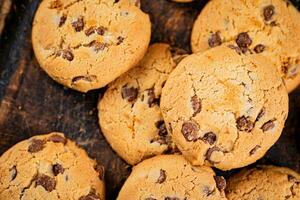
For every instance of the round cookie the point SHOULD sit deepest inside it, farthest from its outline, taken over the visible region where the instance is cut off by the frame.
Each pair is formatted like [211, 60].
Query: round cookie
[49, 167]
[171, 177]
[267, 27]
[224, 109]
[265, 183]
[129, 113]
[85, 45]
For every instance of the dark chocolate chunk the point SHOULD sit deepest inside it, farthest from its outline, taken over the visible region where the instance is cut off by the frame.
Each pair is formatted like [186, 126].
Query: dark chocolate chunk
[150, 198]
[220, 182]
[13, 173]
[151, 98]
[196, 105]
[210, 152]
[244, 124]
[56, 4]
[259, 48]
[162, 176]
[89, 31]
[36, 145]
[101, 171]
[209, 138]
[243, 40]
[46, 182]
[260, 114]
[97, 46]
[215, 40]
[57, 139]
[162, 130]
[57, 169]
[62, 20]
[190, 131]
[65, 54]
[129, 93]
[78, 25]
[120, 40]
[101, 30]
[253, 151]
[268, 12]
[268, 125]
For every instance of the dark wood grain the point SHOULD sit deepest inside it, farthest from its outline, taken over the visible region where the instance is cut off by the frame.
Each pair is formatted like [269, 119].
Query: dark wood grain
[31, 103]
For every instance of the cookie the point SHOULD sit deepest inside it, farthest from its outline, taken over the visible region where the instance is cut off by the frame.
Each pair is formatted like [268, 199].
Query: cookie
[129, 113]
[267, 27]
[49, 167]
[85, 45]
[224, 109]
[265, 183]
[171, 177]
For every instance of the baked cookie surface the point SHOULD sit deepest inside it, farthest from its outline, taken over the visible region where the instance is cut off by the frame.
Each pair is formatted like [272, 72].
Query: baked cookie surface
[129, 113]
[84, 45]
[267, 27]
[265, 182]
[49, 167]
[224, 109]
[171, 177]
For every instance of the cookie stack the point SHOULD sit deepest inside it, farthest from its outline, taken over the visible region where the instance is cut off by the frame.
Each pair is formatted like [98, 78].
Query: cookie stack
[171, 115]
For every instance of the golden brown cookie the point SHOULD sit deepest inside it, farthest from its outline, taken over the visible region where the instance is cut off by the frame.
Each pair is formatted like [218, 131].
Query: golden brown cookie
[267, 27]
[84, 45]
[49, 167]
[224, 109]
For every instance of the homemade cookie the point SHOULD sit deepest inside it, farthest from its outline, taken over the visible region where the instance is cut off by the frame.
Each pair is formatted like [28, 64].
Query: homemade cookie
[129, 113]
[224, 109]
[264, 183]
[49, 167]
[267, 27]
[171, 177]
[84, 45]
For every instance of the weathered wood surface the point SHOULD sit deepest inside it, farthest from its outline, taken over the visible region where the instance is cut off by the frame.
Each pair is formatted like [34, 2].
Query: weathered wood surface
[31, 103]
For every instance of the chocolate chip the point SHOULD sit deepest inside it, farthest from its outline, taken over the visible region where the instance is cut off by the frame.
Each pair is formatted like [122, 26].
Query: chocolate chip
[46, 182]
[209, 138]
[259, 48]
[129, 93]
[162, 130]
[151, 98]
[210, 152]
[253, 151]
[97, 46]
[244, 124]
[162, 176]
[120, 40]
[268, 12]
[57, 169]
[150, 198]
[62, 20]
[13, 173]
[101, 30]
[243, 40]
[260, 114]
[57, 139]
[36, 145]
[101, 171]
[214, 40]
[208, 191]
[268, 125]
[78, 25]
[190, 131]
[91, 196]
[56, 4]
[89, 31]
[65, 54]
[220, 182]
[196, 105]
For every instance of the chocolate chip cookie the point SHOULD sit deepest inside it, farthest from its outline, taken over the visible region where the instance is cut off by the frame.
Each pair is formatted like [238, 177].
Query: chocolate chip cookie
[171, 177]
[224, 109]
[84, 45]
[49, 167]
[264, 183]
[267, 27]
[129, 113]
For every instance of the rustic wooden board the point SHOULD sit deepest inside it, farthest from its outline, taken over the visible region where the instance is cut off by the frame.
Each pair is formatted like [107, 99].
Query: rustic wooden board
[31, 103]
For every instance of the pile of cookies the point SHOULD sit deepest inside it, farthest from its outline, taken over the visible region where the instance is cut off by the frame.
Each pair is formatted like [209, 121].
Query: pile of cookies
[172, 115]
